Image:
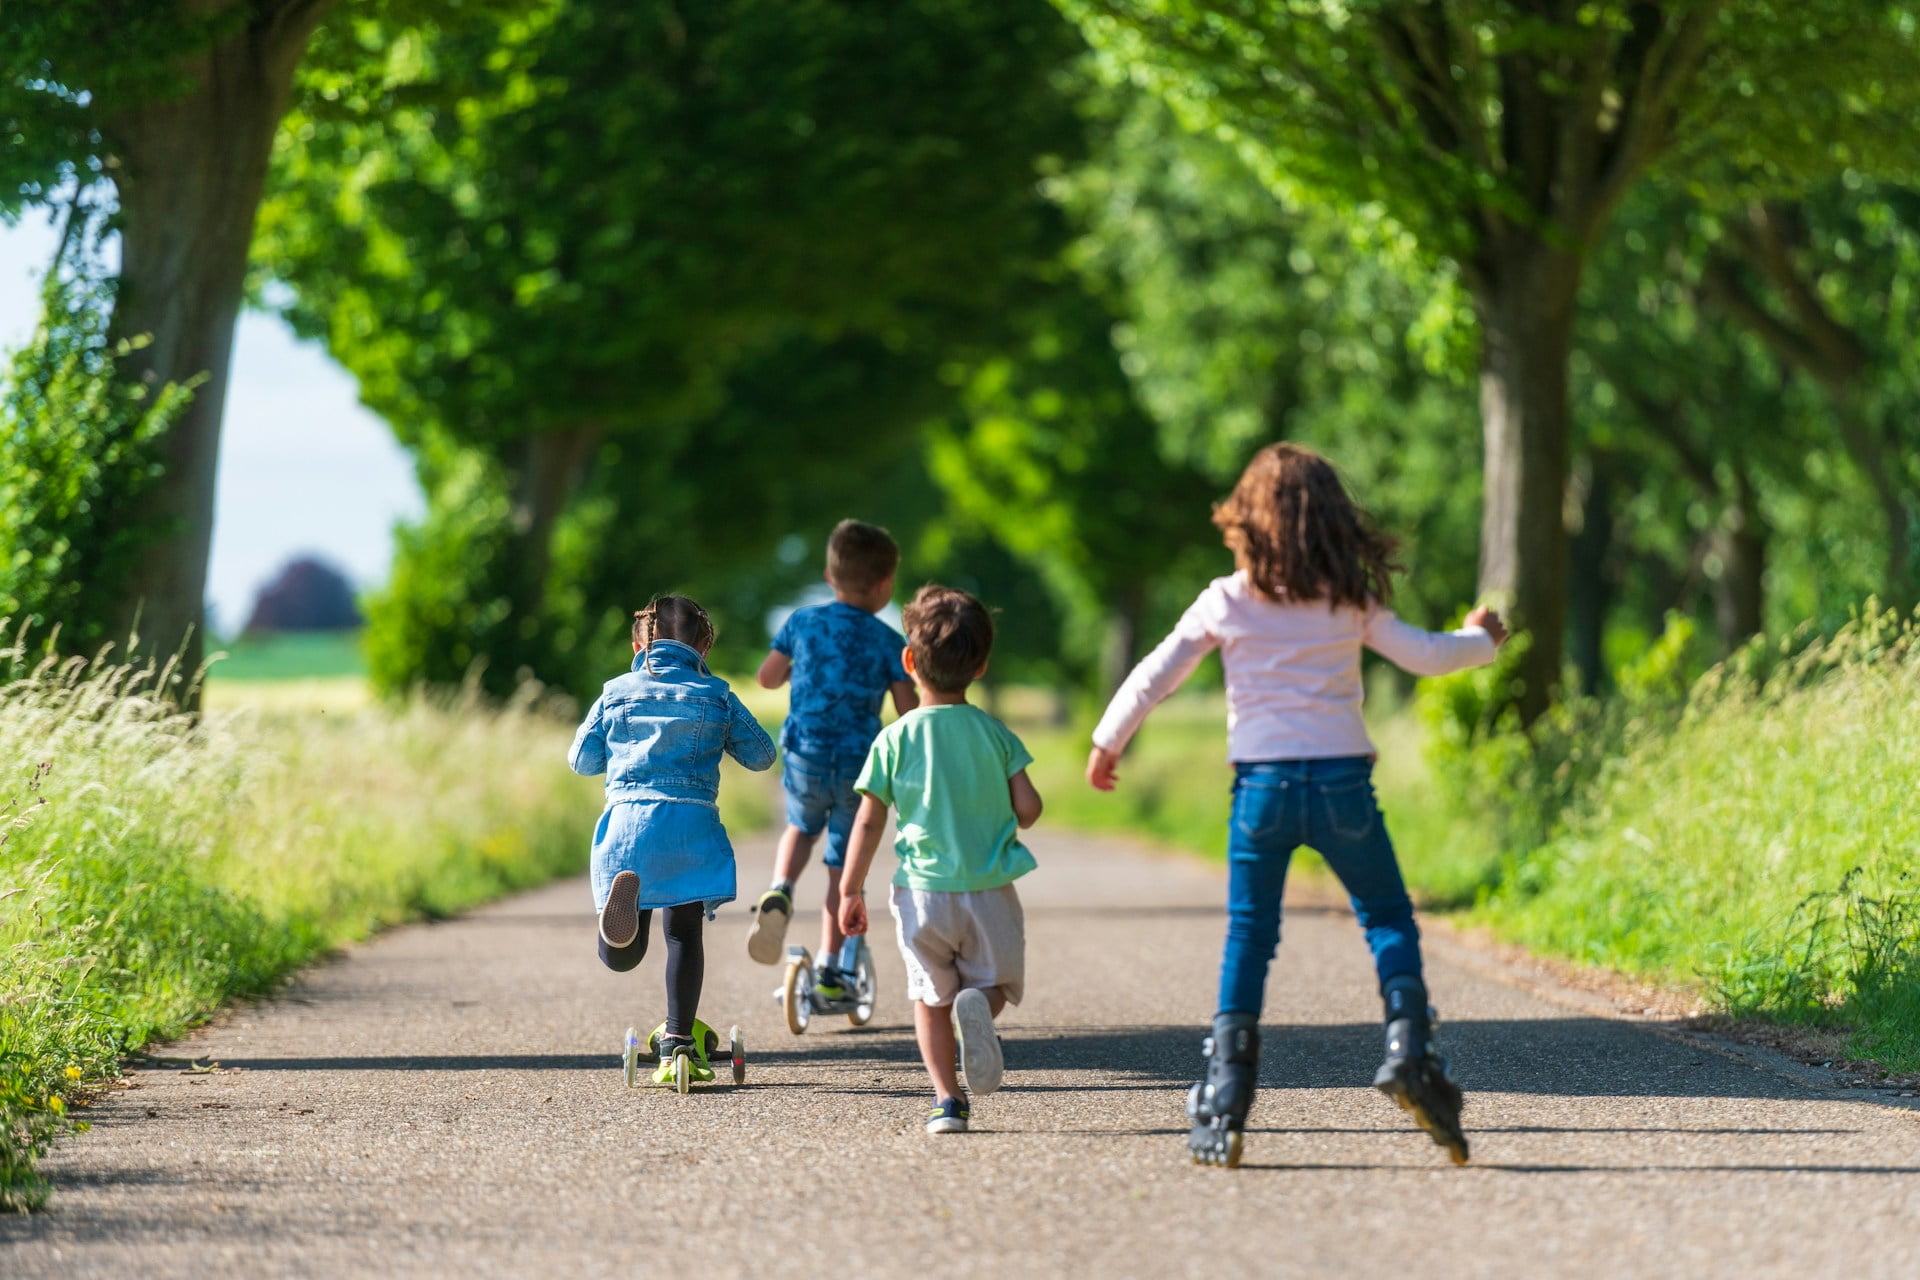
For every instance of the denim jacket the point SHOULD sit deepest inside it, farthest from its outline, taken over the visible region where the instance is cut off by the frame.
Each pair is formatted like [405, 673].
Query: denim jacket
[657, 732]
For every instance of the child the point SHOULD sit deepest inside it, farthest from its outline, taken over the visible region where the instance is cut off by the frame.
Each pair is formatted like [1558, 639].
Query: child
[959, 780]
[1310, 593]
[657, 732]
[842, 661]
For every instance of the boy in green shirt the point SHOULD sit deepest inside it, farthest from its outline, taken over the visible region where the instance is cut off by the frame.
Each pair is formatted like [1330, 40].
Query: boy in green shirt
[958, 778]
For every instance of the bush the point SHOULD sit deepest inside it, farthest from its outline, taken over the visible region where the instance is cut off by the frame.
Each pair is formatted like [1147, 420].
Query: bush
[77, 444]
[154, 865]
[1760, 844]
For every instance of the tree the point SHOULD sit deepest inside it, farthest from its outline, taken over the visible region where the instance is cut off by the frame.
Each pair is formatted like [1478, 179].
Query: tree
[1504, 135]
[175, 102]
[1824, 283]
[76, 444]
[1241, 319]
[569, 247]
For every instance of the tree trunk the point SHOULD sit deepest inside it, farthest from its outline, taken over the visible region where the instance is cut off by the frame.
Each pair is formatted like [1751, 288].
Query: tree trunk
[1739, 593]
[550, 469]
[190, 171]
[1589, 586]
[1123, 637]
[1525, 302]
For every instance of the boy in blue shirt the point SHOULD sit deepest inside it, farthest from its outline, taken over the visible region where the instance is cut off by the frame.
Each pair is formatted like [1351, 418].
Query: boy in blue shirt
[843, 661]
[958, 778]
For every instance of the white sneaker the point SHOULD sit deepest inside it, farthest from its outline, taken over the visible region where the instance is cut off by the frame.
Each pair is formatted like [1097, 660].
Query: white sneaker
[768, 937]
[620, 918]
[980, 1059]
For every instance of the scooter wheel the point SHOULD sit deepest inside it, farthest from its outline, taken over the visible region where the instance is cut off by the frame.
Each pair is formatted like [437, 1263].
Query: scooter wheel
[797, 995]
[739, 1050]
[630, 1057]
[682, 1073]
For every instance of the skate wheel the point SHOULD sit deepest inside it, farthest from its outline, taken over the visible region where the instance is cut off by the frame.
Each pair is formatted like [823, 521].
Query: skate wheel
[1231, 1157]
[739, 1050]
[866, 987]
[682, 1073]
[630, 1057]
[797, 995]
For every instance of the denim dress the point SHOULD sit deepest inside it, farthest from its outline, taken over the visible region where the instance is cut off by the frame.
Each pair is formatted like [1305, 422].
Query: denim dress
[658, 732]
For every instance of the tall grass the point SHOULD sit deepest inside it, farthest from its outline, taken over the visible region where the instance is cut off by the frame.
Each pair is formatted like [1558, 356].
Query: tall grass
[154, 865]
[1765, 846]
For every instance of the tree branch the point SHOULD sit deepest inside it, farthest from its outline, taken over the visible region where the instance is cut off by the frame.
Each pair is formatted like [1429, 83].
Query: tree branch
[1645, 127]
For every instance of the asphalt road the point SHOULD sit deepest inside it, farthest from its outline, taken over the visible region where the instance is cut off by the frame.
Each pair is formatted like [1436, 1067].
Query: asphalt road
[447, 1099]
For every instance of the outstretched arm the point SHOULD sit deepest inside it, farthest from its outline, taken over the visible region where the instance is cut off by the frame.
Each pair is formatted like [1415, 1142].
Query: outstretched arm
[588, 755]
[1159, 674]
[862, 843]
[747, 742]
[1433, 653]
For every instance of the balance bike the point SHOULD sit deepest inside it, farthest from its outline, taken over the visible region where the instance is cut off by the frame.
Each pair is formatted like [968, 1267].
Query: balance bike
[690, 1065]
[803, 999]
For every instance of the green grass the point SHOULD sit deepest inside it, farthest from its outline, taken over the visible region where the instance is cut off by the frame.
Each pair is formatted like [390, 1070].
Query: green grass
[289, 656]
[154, 866]
[1766, 850]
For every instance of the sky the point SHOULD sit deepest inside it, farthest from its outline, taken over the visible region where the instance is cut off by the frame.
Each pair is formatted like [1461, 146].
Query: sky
[304, 469]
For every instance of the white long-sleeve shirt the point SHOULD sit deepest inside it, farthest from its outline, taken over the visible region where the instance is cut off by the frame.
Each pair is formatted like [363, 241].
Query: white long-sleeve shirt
[1293, 670]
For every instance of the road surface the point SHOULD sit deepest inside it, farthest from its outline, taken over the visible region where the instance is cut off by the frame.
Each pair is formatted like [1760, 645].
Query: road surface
[446, 1099]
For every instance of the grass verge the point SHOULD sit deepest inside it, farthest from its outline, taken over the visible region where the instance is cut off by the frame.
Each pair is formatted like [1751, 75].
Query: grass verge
[154, 866]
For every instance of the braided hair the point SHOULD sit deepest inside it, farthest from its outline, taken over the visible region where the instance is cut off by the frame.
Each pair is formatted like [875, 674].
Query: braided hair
[673, 618]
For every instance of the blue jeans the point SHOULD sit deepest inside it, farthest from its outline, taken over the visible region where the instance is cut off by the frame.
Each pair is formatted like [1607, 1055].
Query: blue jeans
[820, 797]
[1327, 805]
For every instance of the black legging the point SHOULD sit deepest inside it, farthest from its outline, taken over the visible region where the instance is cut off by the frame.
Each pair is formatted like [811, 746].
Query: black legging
[686, 960]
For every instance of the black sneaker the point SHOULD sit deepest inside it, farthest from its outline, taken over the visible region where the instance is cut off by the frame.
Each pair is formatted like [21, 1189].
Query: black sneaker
[949, 1117]
[620, 918]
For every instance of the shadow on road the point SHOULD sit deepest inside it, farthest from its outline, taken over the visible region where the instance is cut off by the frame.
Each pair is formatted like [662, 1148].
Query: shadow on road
[1565, 1057]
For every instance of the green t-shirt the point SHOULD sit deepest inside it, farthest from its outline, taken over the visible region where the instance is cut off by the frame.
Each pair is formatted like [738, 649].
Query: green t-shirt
[944, 769]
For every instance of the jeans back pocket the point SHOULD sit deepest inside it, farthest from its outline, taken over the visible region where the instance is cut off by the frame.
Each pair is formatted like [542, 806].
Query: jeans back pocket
[1350, 807]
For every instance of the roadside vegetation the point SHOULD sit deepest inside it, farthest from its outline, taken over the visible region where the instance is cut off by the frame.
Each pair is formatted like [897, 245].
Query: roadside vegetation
[154, 865]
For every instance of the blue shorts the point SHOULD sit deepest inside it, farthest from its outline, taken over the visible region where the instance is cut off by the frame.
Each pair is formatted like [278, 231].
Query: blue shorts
[820, 797]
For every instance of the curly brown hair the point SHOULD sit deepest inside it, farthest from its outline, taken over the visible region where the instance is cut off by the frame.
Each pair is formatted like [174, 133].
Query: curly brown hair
[1299, 536]
[951, 635]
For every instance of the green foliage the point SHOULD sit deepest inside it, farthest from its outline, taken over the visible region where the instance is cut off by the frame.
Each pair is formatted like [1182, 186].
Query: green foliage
[227, 857]
[1522, 781]
[443, 614]
[1242, 318]
[1761, 844]
[682, 277]
[77, 444]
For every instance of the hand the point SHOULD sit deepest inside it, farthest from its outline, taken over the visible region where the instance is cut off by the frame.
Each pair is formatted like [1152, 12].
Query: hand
[1491, 622]
[853, 913]
[1101, 766]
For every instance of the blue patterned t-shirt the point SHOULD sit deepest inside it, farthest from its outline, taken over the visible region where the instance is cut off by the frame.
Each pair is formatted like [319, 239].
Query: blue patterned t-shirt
[844, 659]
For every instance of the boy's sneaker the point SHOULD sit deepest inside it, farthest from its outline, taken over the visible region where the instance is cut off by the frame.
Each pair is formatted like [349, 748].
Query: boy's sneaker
[830, 982]
[620, 918]
[980, 1058]
[769, 934]
[949, 1117]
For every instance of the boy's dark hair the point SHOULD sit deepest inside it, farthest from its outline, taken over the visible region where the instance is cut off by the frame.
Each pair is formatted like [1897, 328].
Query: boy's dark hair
[951, 635]
[673, 618]
[1299, 536]
[861, 556]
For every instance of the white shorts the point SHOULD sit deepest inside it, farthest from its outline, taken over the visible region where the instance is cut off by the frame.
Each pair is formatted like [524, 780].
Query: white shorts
[952, 941]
